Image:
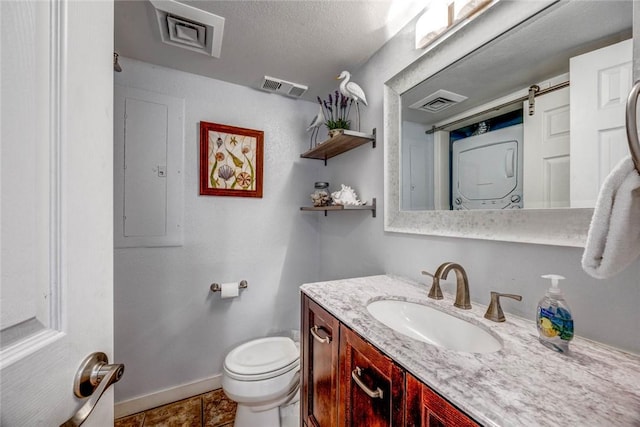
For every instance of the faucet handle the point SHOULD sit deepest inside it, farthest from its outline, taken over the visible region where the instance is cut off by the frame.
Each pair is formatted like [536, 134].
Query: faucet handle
[494, 311]
[435, 292]
[426, 273]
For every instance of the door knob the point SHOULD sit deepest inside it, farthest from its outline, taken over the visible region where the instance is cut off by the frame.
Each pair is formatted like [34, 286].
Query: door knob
[93, 378]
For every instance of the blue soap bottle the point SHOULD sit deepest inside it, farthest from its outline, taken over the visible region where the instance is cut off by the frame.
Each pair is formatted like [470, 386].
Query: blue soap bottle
[554, 319]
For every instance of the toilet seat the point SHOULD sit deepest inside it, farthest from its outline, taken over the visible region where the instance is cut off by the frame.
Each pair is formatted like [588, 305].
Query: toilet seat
[262, 358]
[262, 376]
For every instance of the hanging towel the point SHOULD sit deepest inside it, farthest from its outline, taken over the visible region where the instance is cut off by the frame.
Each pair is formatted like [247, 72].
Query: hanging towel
[613, 241]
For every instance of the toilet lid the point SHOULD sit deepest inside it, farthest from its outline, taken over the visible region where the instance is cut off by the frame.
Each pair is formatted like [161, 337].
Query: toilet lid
[262, 356]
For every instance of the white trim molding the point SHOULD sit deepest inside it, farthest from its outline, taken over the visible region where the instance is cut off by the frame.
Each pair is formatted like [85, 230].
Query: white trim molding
[169, 395]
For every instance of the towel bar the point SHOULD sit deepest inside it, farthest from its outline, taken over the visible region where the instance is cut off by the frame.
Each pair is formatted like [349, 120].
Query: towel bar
[215, 287]
[632, 125]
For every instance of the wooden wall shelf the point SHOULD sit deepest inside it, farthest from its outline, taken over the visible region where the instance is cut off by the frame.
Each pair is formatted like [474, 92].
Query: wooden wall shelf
[345, 141]
[371, 207]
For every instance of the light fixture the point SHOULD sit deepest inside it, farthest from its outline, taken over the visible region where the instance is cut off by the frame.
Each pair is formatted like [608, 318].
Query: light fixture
[462, 9]
[442, 15]
[433, 22]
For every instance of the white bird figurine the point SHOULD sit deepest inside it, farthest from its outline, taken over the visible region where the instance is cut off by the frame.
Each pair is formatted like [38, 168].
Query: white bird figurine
[352, 90]
[314, 126]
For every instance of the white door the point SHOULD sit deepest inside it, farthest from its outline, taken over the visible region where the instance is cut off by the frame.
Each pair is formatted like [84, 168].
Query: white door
[56, 212]
[600, 84]
[546, 152]
[420, 182]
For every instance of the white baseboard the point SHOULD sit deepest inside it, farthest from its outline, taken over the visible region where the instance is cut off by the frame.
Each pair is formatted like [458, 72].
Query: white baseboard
[163, 397]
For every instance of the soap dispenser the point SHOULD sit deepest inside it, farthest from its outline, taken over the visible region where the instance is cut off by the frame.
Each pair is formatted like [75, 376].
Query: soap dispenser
[554, 320]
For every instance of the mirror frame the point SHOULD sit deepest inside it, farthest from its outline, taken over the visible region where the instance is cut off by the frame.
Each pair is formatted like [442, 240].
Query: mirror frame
[558, 227]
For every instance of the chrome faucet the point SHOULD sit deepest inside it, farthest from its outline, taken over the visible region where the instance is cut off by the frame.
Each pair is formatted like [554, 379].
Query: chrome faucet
[463, 300]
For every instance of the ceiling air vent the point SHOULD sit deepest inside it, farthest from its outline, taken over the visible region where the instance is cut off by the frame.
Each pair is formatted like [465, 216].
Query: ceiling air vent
[189, 27]
[182, 31]
[438, 101]
[283, 87]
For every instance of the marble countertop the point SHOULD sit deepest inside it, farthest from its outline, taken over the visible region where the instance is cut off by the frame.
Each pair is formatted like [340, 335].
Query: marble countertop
[523, 384]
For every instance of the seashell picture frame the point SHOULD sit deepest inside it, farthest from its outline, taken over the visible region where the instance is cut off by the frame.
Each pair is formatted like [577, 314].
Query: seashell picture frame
[231, 160]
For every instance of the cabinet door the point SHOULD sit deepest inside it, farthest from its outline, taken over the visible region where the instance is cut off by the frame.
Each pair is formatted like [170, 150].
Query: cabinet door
[371, 385]
[320, 332]
[425, 408]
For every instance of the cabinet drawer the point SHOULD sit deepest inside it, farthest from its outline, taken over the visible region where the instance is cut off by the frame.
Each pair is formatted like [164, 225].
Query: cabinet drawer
[371, 385]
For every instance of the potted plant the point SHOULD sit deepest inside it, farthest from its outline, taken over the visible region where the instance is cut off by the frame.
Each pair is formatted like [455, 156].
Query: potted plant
[336, 112]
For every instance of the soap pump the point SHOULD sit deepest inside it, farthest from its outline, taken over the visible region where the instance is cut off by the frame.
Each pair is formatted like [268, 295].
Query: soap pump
[554, 320]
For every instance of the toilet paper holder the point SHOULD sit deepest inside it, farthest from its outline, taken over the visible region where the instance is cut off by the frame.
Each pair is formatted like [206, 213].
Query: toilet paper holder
[215, 287]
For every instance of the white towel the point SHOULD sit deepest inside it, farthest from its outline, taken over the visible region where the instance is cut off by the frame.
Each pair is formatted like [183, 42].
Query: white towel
[613, 241]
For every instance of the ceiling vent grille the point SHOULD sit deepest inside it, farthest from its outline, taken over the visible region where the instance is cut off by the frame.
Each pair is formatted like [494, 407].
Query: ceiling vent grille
[182, 31]
[283, 87]
[189, 27]
[438, 101]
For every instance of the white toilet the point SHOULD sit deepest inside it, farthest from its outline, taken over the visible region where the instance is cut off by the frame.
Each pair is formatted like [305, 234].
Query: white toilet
[261, 376]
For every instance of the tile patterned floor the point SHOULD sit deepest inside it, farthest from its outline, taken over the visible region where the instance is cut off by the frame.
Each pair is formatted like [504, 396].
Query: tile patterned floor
[212, 409]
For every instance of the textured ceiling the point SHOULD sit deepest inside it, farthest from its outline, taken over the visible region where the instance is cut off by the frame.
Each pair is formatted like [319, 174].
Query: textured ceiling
[305, 42]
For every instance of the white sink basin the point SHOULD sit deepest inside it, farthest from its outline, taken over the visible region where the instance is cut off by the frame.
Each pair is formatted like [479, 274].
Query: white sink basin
[433, 326]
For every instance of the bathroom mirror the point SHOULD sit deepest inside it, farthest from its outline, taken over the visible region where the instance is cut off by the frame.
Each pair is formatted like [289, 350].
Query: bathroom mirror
[492, 61]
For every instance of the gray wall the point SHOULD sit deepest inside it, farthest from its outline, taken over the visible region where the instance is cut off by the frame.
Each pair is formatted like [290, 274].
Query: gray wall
[604, 310]
[170, 330]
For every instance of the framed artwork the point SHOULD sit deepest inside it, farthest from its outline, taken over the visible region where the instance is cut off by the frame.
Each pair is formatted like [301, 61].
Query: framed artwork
[230, 160]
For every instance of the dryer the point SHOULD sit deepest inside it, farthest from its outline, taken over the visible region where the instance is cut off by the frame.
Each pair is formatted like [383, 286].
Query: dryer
[486, 170]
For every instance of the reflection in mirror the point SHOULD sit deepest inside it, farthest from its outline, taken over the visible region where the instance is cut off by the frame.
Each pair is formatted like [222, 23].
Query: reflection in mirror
[533, 119]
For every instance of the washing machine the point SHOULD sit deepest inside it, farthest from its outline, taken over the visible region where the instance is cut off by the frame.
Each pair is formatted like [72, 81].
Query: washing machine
[486, 170]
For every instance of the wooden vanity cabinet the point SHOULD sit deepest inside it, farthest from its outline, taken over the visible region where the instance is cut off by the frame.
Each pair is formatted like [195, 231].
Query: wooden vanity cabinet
[320, 341]
[371, 385]
[347, 382]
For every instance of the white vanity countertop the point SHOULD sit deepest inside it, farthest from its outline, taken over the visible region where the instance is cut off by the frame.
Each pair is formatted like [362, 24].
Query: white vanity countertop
[523, 384]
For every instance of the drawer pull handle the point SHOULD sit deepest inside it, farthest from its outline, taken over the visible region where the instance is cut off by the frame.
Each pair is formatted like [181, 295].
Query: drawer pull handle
[314, 332]
[356, 374]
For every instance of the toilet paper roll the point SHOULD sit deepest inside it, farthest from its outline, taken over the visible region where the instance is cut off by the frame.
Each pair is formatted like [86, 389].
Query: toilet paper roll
[229, 290]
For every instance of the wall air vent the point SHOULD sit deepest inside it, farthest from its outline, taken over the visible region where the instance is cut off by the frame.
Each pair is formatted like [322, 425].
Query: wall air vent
[283, 87]
[189, 27]
[271, 84]
[438, 101]
[297, 91]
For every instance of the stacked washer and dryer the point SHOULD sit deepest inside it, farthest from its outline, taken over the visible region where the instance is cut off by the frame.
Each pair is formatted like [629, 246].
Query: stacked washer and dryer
[486, 170]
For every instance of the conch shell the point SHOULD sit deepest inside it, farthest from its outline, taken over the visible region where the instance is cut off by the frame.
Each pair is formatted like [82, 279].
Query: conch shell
[346, 197]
